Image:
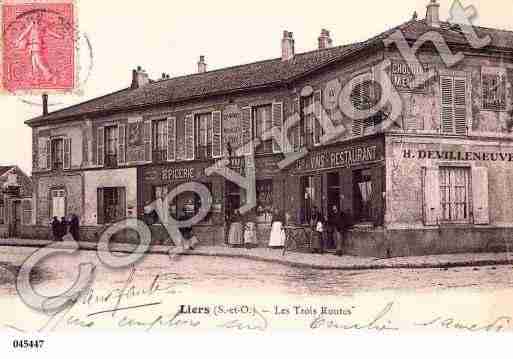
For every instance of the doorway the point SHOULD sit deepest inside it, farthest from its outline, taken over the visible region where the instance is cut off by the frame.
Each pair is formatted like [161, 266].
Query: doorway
[16, 219]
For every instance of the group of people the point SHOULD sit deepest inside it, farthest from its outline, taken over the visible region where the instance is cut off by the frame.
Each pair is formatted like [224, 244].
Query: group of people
[241, 233]
[61, 228]
[326, 231]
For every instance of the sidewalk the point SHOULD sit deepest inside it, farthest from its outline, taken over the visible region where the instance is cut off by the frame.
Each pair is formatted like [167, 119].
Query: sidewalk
[303, 260]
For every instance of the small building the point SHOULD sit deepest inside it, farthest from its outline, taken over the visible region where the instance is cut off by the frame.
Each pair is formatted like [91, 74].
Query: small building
[437, 180]
[16, 202]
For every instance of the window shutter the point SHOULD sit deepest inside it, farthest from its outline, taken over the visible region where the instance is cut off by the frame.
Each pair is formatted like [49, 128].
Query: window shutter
[189, 137]
[480, 195]
[100, 142]
[318, 118]
[278, 123]
[296, 130]
[66, 153]
[246, 126]
[217, 124]
[460, 106]
[431, 189]
[166, 141]
[447, 85]
[171, 139]
[147, 141]
[357, 127]
[100, 206]
[122, 144]
[43, 152]
[121, 192]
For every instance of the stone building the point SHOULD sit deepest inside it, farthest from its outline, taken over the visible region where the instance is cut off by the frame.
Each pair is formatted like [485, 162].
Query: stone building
[437, 180]
[16, 203]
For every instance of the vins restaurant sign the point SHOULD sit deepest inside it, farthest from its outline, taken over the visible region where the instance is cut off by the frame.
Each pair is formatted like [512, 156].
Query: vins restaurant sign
[338, 158]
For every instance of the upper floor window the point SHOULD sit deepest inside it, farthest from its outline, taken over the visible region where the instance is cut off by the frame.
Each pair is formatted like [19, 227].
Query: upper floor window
[262, 123]
[57, 153]
[159, 140]
[494, 89]
[307, 121]
[111, 145]
[454, 105]
[203, 138]
[364, 96]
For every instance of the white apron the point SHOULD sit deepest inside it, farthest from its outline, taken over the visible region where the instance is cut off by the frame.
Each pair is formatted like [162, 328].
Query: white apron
[277, 235]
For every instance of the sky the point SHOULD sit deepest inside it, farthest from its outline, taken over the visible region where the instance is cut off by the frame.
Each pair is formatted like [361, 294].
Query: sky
[169, 36]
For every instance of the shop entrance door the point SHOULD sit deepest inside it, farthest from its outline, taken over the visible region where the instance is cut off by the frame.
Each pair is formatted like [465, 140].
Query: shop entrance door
[333, 194]
[312, 196]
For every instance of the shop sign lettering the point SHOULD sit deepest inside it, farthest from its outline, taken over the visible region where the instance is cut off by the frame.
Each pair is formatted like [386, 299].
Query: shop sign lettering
[403, 76]
[338, 159]
[169, 174]
[458, 156]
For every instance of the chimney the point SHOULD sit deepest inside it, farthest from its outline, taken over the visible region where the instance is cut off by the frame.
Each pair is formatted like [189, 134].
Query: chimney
[202, 66]
[45, 104]
[287, 46]
[325, 40]
[433, 14]
[139, 78]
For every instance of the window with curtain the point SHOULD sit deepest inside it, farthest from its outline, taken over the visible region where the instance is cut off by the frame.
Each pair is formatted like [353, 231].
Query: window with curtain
[159, 140]
[57, 153]
[203, 141]
[262, 122]
[111, 146]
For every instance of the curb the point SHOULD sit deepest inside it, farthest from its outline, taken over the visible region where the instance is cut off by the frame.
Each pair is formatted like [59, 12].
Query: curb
[286, 262]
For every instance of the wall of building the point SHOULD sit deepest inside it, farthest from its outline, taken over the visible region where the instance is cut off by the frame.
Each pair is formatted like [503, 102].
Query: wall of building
[93, 180]
[72, 183]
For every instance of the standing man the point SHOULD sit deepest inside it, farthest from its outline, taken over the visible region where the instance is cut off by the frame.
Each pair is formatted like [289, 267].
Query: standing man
[56, 229]
[75, 227]
[339, 222]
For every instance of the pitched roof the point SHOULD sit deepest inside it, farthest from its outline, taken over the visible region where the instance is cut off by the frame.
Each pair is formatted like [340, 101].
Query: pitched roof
[258, 74]
[5, 169]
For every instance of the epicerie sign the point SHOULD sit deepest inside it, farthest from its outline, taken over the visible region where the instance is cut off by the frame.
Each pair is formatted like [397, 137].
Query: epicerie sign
[169, 174]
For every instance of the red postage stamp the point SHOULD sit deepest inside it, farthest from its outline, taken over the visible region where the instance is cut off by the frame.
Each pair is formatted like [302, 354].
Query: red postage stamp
[38, 46]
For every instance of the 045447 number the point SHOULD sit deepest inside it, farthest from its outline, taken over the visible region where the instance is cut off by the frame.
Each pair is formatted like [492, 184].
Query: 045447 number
[25, 343]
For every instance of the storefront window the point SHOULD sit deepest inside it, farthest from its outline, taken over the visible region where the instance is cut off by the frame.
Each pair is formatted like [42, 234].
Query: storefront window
[311, 187]
[363, 192]
[189, 203]
[264, 194]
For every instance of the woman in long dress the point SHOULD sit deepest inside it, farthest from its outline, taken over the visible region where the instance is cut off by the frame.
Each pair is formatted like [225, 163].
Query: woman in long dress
[277, 239]
[235, 233]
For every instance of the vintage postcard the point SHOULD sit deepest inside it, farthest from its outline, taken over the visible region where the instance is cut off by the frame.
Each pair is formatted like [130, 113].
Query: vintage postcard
[326, 170]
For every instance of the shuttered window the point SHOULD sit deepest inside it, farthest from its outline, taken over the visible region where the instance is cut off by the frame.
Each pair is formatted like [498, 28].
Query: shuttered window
[202, 145]
[147, 136]
[307, 121]
[454, 105]
[454, 194]
[217, 126]
[44, 153]
[262, 122]
[494, 91]
[159, 140]
[293, 131]
[100, 146]
[57, 153]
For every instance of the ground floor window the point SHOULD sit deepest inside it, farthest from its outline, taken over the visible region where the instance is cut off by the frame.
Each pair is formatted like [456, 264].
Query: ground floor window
[2, 213]
[111, 204]
[27, 212]
[454, 194]
[58, 203]
[363, 191]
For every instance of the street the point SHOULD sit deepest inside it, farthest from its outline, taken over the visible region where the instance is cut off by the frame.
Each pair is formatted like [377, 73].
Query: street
[222, 275]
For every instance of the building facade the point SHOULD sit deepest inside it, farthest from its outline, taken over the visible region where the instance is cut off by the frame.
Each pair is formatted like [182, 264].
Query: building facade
[437, 180]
